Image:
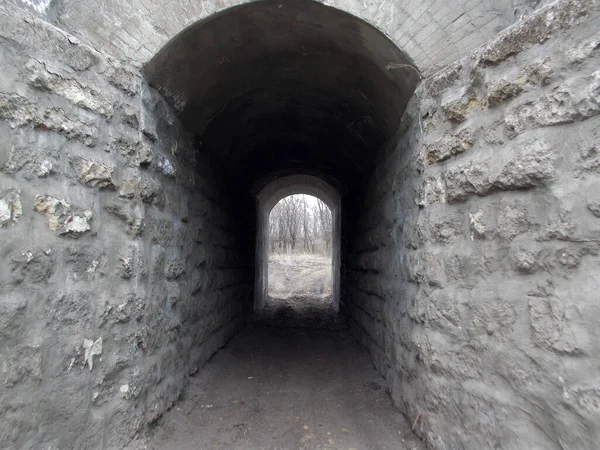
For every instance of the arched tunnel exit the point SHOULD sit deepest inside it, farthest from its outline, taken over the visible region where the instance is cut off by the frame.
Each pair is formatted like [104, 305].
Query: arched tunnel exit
[294, 97]
[287, 97]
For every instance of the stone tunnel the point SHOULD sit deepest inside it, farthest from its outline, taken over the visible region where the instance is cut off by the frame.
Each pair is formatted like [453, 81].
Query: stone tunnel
[144, 142]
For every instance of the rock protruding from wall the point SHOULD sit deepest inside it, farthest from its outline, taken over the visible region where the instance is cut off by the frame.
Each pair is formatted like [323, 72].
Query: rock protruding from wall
[474, 266]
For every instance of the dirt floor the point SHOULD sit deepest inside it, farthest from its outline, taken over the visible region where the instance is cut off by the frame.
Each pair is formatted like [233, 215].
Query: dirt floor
[301, 312]
[276, 388]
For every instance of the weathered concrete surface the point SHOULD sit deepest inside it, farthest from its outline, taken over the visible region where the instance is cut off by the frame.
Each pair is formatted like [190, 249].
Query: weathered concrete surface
[473, 267]
[114, 245]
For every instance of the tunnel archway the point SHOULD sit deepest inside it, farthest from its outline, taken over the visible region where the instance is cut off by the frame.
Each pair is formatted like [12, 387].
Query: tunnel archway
[288, 97]
[266, 199]
[274, 89]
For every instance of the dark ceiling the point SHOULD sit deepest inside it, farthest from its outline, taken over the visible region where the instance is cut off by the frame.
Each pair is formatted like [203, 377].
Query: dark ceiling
[280, 87]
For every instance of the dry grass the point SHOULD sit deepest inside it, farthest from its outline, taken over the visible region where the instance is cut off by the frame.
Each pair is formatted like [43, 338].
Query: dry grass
[299, 275]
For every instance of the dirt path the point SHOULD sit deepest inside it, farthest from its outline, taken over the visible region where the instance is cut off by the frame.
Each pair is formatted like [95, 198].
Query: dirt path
[300, 312]
[273, 388]
[299, 275]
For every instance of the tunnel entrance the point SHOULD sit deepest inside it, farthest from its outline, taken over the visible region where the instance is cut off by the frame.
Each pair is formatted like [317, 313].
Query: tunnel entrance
[287, 97]
[264, 307]
[134, 213]
[300, 233]
[272, 89]
[290, 97]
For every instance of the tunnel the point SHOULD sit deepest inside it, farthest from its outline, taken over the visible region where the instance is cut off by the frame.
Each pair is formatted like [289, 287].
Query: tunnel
[289, 98]
[145, 145]
[293, 98]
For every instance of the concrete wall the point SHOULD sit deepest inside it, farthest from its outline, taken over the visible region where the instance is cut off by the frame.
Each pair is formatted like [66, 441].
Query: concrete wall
[473, 269]
[122, 271]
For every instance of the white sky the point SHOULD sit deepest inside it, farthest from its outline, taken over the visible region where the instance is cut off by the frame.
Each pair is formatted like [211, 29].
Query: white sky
[312, 201]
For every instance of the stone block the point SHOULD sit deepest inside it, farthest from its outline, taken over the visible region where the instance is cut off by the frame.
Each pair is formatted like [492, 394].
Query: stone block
[84, 262]
[10, 207]
[457, 106]
[122, 77]
[463, 181]
[577, 99]
[130, 115]
[94, 174]
[444, 229]
[13, 307]
[40, 76]
[536, 74]
[133, 214]
[532, 166]
[23, 365]
[137, 150]
[173, 269]
[554, 324]
[514, 220]
[584, 50]
[31, 266]
[166, 167]
[525, 260]
[55, 119]
[432, 191]
[16, 110]
[32, 160]
[63, 218]
[588, 160]
[448, 146]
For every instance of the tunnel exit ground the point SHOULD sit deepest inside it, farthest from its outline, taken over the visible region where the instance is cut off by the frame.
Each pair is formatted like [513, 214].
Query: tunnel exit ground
[285, 388]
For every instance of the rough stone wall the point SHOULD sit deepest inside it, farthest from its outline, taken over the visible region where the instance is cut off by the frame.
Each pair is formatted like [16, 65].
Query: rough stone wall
[473, 275]
[121, 270]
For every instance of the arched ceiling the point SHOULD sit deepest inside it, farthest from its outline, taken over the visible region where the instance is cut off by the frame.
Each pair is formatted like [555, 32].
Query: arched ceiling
[278, 189]
[271, 89]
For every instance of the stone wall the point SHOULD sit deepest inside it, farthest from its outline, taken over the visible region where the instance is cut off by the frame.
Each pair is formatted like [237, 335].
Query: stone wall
[473, 270]
[431, 32]
[122, 270]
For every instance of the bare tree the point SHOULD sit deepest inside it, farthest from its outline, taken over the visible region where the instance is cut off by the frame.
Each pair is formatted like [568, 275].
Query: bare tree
[324, 214]
[297, 223]
[307, 226]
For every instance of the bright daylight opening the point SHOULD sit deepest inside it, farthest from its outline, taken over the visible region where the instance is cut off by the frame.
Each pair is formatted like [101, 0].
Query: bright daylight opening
[300, 253]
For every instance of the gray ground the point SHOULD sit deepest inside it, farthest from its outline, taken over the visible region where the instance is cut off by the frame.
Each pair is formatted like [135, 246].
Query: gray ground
[299, 275]
[303, 312]
[292, 388]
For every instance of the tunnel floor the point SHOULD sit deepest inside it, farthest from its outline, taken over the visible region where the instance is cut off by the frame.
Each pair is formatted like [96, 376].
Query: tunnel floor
[299, 312]
[285, 388]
